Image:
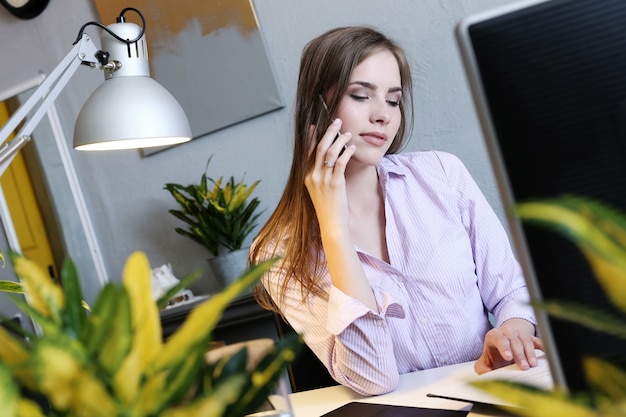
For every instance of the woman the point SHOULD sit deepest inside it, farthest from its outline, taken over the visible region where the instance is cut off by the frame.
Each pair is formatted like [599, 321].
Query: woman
[390, 263]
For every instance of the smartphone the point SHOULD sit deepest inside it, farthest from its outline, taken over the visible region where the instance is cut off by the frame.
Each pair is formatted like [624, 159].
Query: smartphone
[328, 110]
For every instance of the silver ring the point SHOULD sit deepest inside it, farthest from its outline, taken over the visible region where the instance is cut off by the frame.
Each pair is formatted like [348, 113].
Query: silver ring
[328, 164]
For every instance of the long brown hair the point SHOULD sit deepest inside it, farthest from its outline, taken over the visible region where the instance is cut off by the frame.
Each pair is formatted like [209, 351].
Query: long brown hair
[325, 68]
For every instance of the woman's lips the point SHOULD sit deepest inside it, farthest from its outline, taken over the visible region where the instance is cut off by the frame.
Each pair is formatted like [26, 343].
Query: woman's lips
[374, 138]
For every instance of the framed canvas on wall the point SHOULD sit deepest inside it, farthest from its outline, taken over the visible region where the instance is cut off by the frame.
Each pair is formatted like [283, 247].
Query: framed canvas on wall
[209, 54]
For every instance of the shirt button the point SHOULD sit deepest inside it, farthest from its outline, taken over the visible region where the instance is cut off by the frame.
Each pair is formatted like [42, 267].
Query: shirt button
[379, 323]
[441, 361]
[424, 320]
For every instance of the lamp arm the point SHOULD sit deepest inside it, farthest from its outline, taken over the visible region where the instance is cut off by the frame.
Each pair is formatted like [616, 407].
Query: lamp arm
[83, 52]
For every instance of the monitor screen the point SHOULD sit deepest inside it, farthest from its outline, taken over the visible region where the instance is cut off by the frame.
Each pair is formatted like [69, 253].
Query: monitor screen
[549, 80]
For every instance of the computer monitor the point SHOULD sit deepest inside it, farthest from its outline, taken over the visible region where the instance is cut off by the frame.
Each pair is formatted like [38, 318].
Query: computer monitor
[549, 82]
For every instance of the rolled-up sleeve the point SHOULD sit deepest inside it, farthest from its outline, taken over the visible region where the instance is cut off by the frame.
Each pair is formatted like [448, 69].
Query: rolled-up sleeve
[353, 341]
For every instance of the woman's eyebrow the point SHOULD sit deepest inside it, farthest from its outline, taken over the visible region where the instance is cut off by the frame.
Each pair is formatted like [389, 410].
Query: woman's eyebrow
[374, 86]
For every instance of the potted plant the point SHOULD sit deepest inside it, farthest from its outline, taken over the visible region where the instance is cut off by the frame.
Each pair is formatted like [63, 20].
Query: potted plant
[219, 216]
[111, 361]
[600, 233]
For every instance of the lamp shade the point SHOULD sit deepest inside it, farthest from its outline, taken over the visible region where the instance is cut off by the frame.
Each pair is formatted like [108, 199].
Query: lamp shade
[129, 109]
[130, 112]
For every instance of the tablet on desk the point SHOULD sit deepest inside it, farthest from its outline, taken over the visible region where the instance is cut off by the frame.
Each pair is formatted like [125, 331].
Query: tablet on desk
[358, 409]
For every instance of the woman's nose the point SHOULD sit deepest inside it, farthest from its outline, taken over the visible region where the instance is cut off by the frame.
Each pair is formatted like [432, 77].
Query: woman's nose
[380, 113]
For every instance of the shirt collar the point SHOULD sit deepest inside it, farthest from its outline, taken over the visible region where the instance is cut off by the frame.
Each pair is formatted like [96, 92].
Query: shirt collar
[391, 164]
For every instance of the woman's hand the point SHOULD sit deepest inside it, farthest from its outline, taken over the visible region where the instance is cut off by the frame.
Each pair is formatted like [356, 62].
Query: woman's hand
[513, 342]
[325, 181]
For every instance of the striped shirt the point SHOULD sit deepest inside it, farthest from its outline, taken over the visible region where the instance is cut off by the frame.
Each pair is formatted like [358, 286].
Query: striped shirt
[450, 265]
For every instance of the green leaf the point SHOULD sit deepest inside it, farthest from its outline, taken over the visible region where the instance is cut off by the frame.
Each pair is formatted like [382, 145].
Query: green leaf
[585, 316]
[607, 381]
[102, 318]
[9, 392]
[181, 379]
[598, 230]
[11, 287]
[180, 387]
[57, 365]
[265, 376]
[42, 293]
[226, 367]
[118, 338]
[49, 327]
[533, 402]
[210, 405]
[184, 217]
[74, 315]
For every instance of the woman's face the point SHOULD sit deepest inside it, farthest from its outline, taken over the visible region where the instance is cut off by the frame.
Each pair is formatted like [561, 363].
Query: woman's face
[370, 108]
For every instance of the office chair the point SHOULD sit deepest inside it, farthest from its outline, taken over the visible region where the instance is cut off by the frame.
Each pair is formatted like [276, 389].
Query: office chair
[307, 371]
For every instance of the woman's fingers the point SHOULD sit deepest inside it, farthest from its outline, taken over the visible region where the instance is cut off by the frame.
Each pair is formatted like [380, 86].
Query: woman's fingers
[326, 146]
[336, 150]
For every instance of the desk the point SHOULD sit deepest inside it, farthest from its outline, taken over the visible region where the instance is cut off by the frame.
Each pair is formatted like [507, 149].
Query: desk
[411, 391]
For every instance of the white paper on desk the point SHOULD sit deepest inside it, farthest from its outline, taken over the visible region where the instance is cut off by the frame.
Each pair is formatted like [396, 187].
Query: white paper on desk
[538, 376]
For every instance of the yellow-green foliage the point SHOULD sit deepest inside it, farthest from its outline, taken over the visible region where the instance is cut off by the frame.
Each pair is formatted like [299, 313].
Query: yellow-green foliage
[217, 216]
[112, 362]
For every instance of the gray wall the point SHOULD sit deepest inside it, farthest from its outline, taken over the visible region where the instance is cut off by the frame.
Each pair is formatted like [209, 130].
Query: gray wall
[124, 191]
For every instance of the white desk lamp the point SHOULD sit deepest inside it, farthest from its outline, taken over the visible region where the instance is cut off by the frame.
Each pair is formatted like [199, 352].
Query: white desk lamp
[129, 110]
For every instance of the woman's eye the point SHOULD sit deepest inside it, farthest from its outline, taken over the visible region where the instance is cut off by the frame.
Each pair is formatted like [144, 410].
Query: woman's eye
[393, 103]
[358, 97]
